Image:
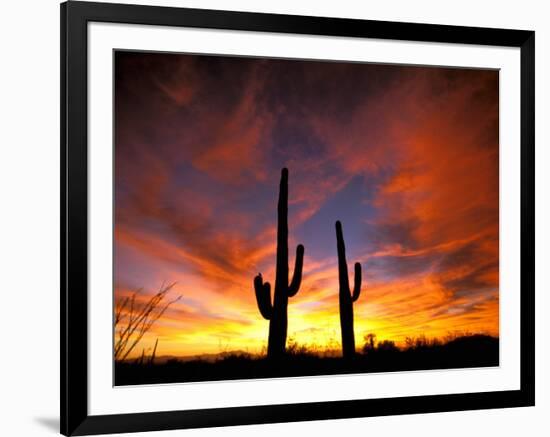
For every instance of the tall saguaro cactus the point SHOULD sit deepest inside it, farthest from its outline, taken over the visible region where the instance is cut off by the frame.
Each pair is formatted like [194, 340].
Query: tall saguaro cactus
[276, 312]
[346, 296]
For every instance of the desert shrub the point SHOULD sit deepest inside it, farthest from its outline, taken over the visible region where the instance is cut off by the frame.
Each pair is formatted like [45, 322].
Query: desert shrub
[370, 343]
[133, 320]
[294, 348]
[387, 346]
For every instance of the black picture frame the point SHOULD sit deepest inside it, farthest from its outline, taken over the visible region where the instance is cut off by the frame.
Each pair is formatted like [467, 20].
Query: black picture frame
[75, 419]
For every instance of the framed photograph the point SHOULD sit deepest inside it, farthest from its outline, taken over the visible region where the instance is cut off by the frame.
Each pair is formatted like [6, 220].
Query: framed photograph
[272, 218]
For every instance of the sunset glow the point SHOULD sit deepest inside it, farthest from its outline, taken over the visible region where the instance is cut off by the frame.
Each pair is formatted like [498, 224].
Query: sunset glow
[406, 157]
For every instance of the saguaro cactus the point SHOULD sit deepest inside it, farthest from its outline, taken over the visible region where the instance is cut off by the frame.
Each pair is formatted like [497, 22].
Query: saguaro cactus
[276, 312]
[346, 297]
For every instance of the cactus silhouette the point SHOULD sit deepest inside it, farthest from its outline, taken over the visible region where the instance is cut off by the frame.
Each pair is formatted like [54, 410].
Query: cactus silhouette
[346, 297]
[276, 312]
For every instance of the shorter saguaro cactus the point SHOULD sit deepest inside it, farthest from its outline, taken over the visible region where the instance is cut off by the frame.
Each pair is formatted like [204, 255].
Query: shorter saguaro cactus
[346, 296]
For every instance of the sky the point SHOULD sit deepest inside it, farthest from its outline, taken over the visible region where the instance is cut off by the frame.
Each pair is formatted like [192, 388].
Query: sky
[405, 157]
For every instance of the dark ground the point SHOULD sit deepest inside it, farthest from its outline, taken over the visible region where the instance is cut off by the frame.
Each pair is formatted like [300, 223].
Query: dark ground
[461, 352]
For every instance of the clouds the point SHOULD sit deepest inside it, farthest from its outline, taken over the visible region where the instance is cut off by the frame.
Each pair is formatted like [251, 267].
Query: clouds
[235, 155]
[406, 157]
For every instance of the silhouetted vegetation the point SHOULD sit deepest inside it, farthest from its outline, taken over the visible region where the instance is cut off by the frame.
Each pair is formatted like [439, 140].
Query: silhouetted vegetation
[276, 312]
[132, 321]
[346, 298]
[472, 350]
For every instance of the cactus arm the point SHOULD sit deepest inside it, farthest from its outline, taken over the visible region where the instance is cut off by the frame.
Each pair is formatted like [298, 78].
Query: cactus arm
[357, 283]
[263, 297]
[297, 277]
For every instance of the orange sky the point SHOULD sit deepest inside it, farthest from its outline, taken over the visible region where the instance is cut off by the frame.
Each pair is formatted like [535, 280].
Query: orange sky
[405, 157]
